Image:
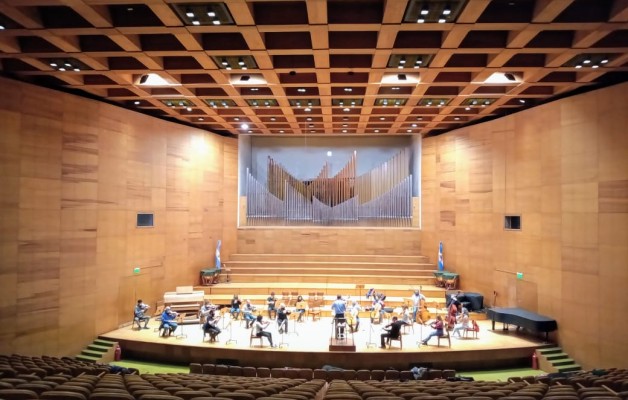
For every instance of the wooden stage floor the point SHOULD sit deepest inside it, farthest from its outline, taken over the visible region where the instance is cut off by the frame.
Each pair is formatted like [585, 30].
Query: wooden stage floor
[307, 346]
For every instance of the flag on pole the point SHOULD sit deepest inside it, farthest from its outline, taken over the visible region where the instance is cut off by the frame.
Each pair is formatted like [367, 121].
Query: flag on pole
[218, 245]
[441, 263]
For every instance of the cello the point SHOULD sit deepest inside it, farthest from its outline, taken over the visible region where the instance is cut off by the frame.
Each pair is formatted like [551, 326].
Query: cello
[424, 314]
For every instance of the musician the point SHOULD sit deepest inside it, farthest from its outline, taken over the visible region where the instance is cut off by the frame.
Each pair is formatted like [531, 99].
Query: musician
[338, 307]
[378, 308]
[248, 310]
[271, 301]
[282, 318]
[139, 316]
[437, 327]
[463, 323]
[301, 306]
[452, 312]
[210, 327]
[258, 330]
[393, 330]
[235, 307]
[354, 320]
[416, 303]
[206, 308]
[168, 320]
[405, 314]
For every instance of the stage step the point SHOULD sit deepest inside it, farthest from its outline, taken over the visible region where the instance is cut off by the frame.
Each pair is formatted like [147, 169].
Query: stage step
[554, 359]
[325, 278]
[337, 269]
[328, 257]
[100, 350]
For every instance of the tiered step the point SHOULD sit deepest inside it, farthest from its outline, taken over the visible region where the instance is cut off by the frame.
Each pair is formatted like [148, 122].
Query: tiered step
[554, 359]
[330, 268]
[99, 351]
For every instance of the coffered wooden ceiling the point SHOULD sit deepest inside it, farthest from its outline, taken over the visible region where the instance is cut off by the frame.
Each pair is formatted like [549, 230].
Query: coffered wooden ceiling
[318, 66]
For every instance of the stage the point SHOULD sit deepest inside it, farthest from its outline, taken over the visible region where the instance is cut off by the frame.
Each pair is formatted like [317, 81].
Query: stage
[307, 345]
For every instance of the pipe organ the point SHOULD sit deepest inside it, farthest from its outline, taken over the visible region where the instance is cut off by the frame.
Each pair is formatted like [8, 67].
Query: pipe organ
[380, 197]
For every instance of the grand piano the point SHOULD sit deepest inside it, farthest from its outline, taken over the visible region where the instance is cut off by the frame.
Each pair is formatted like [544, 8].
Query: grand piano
[522, 319]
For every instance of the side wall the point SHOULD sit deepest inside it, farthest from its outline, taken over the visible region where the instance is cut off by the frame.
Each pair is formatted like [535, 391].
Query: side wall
[73, 174]
[564, 168]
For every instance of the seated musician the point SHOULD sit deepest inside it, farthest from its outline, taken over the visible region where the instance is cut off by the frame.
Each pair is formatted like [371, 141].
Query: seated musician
[393, 330]
[210, 326]
[247, 311]
[206, 308]
[282, 318]
[271, 301]
[354, 313]
[417, 297]
[258, 330]
[235, 307]
[301, 307]
[378, 309]
[139, 316]
[437, 327]
[405, 314]
[463, 323]
[168, 321]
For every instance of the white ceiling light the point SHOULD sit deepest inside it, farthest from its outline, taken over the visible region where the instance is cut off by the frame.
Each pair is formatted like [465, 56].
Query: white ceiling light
[153, 79]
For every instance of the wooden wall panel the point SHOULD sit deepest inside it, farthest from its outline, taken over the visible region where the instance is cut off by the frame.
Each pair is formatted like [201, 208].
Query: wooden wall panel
[307, 240]
[73, 174]
[563, 168]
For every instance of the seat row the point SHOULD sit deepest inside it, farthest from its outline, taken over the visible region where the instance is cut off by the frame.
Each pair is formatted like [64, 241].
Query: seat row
[14, 365]
[319, 373]
[160, 387]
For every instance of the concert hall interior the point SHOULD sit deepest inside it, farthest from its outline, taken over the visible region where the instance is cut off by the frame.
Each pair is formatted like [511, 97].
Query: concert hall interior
[315, 148]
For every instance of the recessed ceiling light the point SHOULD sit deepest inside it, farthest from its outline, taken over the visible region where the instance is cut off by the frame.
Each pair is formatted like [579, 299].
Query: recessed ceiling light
[216, 22]
[250, 131]
[53, 64]
[346, 109]
[586, 61]
[414, 125]
[189, 109]
[425, 10]
[467, 108]
[281, 131]
[273, 119]
[136, 102]
[395, 88]
[419, 118]
[311, 126]
[420, 20]
[308, 109]
[196, 23]
[244, 126]
[348, 89]
[446, 10]
[301, 90]
[61, 69]
[595, 66]
[382, 118]
[442, 20]
[77, 69]
[236, 119]
[345, 125]
[344, 131]
[409, 130]
[312, 131]
[578, 66]
[457, 118]
[376, 131]
[1, 27]
[211, 14]
[604, 61]
[201, 119]
[189, 14]
[522, 101]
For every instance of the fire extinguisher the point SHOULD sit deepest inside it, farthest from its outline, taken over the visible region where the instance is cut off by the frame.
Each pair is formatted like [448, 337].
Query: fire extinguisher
[117, 353]
[535, 361]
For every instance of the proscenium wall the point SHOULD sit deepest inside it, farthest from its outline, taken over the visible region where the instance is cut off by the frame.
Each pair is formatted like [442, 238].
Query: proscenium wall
[563, 167]
[73, 174]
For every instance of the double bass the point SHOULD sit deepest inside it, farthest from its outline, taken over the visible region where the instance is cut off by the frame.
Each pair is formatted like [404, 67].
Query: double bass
[423, 315]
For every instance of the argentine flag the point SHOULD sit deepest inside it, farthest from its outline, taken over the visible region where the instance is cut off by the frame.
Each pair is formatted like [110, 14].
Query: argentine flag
[441, 264]
[218, 266]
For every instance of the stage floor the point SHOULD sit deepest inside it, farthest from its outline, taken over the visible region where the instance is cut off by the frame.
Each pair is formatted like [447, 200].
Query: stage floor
[311, 340]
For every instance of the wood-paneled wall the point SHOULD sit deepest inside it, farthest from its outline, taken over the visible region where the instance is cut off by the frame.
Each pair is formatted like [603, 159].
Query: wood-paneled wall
[563, 167]
[329, 240]
[73, 174]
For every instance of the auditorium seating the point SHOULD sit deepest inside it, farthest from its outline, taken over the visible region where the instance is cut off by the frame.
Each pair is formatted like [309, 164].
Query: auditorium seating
[23, 377]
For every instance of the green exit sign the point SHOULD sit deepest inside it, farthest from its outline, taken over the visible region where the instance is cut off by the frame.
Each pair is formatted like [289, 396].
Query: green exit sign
[519, 275]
